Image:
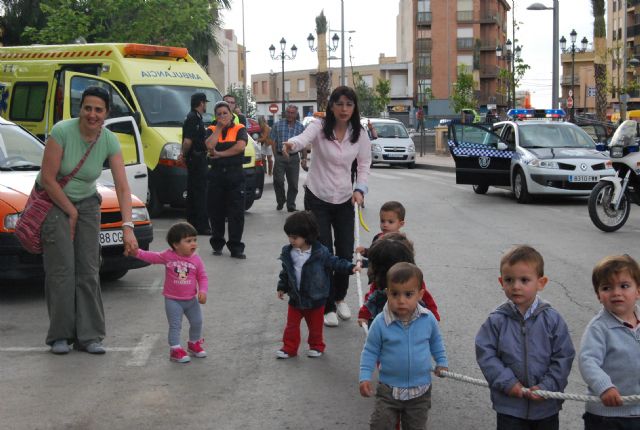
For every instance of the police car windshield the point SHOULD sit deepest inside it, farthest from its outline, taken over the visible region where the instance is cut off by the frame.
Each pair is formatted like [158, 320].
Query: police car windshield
[553, 135]
[168, 105]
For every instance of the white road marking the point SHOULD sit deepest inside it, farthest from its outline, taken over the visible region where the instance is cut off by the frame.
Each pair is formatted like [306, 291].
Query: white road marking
[156, 286]
[141, 352]
[411, 174]
[382, 175]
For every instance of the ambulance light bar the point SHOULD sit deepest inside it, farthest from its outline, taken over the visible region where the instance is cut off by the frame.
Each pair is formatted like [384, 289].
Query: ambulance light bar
[138, 49]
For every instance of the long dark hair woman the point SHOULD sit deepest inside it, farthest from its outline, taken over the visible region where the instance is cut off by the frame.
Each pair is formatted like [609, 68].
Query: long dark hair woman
[336, 141]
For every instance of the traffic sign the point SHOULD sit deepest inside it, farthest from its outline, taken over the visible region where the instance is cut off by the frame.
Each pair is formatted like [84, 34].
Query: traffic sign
[570, 93]
[569, 102]
[273, 108]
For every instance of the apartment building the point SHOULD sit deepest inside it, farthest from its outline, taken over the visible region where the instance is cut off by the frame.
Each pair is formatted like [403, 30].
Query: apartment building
[578, 75]
[623, 41]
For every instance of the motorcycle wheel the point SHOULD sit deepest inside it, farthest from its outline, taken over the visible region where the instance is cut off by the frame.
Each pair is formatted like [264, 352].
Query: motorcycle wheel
[601, 210]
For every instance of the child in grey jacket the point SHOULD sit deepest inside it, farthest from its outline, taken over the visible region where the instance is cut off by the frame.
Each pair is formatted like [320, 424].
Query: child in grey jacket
[610, 348]
[524, 343]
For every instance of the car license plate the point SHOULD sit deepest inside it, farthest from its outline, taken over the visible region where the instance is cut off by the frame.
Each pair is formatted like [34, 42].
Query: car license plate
[583, 178]
[395, 155]
[111, 237]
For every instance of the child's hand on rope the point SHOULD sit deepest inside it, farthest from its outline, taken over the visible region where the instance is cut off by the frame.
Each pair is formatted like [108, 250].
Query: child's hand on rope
[440, 369]
[531, 396]
[360, 250]
[611, 397]
[281, 295]
[362, 322]
[357, 267]
[365, 389]
[516, 391]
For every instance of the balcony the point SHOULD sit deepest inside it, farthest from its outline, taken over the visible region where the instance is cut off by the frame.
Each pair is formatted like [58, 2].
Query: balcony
[488, 44]
[465, 43]
[465, 16]
[424, 45]
[487, 72]
[423, 18]
[423, 72]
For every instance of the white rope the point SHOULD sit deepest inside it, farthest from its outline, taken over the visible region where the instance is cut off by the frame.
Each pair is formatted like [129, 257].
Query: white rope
[356, 232]
[542, 393]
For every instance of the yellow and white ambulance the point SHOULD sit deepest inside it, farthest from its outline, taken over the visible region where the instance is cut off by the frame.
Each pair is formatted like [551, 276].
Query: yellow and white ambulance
[42, 84]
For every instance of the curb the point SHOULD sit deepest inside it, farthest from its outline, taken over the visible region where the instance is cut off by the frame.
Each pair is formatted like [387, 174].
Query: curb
[427, 166]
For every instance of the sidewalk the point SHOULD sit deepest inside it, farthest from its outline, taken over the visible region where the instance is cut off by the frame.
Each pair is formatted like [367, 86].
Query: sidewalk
[433, 161]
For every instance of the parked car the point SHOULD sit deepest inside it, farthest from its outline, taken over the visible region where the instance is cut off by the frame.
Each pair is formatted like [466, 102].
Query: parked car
[535, 153]
[20, 161]
[393, 145]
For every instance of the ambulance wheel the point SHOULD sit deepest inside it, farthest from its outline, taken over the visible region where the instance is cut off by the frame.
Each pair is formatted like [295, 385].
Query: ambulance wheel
[481, 189]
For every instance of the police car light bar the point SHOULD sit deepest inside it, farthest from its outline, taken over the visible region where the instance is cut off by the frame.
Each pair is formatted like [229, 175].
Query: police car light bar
[522, 114]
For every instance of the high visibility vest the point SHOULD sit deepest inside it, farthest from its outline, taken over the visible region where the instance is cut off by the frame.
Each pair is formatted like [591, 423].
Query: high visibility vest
[225, 143]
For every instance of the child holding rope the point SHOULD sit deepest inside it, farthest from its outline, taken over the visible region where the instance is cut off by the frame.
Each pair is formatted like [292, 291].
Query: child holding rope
[306, 266]
[403, 338]
[392, 248]
[524, 343]
[610, 350]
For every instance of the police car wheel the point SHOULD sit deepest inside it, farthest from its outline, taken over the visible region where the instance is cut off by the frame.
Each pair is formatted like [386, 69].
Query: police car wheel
[520, 187]
[481, 189]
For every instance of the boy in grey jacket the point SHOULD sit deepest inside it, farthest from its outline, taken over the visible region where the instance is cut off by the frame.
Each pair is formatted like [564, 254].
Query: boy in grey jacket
[524, 343]
[610, 348]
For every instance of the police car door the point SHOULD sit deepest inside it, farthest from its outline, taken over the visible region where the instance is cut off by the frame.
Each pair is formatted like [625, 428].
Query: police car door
[481, 157]
[121, 121]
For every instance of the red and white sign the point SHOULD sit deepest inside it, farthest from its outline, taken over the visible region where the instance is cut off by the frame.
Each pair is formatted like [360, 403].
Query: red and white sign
[569, 102]
[273, 108]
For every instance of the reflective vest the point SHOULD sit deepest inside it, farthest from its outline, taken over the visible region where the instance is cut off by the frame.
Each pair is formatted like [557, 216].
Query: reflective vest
[225, 143]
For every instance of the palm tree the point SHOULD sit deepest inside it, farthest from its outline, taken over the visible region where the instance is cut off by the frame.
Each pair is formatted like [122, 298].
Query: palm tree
[322, 76]
[600, 48]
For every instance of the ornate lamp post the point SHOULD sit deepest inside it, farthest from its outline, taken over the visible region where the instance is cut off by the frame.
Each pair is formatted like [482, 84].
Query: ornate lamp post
[283, 56]
[334, 42]
[563, 45]
[510, 56]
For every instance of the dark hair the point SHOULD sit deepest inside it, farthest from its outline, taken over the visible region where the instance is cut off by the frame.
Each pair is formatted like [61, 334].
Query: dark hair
[396, 207]
[221, 103]
[403, 272]
[179, 231]
[303, 224]
[523, 253]
[390, 249]
[329, 121]
[611, 265]
[95, 91]
[229, 95]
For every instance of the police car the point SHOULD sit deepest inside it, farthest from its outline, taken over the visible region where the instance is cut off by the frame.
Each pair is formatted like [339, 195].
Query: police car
[534, 152]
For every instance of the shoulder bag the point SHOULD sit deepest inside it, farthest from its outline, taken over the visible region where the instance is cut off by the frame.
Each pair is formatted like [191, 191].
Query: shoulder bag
[35, 211]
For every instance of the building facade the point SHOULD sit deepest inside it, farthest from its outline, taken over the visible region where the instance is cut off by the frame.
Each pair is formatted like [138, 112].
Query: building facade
[578, 75]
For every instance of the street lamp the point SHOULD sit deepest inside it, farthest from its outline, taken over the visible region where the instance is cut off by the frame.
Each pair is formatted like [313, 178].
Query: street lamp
[422, 90]
[334, 42]
[556, 64]
[563, 45]
[283, 56]
[510, 56]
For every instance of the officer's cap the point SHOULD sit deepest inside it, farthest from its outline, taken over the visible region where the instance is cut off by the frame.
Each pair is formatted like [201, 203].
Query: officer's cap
[196, 98]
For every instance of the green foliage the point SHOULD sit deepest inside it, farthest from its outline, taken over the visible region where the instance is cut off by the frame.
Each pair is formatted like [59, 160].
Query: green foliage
[383, 88]
[187, 23]
[19, 14]
[321, 23]
[238, 92]
[599, 25]
[371, 102]
[463, 91]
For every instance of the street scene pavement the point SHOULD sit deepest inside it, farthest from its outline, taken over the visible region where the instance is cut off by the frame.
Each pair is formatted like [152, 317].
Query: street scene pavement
[459, 237]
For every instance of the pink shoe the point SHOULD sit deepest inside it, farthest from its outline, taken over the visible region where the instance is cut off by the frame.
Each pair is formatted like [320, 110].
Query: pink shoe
[195, 349]
[179, 355]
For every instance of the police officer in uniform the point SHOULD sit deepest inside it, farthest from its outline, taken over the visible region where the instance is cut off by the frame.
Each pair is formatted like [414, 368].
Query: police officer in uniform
[194, 154]
[226, 182]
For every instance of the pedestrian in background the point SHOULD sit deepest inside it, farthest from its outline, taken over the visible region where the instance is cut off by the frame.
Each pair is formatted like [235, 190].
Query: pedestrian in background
[304, 277]
[286, 165]
[266, 145]
[336, 141]
[226, 181]
[420, 119]
[70, 246]
[185, 288]
[238, 117]
[403, 340]
[194, 154]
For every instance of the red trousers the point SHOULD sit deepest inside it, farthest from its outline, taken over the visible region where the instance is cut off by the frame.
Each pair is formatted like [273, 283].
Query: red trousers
[315, 321]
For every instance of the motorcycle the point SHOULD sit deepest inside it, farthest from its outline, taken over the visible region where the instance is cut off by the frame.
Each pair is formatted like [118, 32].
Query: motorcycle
[610, 200]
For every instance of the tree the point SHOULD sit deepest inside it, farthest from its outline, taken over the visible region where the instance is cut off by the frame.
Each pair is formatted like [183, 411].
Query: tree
[192, 22]
[600, 49]
[383, 88]
[463, 90]
[371, 102]
[323, 79]
[508, 80]
[19, 14]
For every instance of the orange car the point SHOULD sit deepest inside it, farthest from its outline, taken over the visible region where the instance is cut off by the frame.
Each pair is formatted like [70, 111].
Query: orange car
[20, 159]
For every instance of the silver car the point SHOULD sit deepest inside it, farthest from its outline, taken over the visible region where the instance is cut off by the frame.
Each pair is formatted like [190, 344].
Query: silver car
[393, 145]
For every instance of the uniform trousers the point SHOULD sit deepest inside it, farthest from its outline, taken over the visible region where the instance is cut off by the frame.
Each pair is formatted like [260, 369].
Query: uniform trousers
[72, 274]
[196, 210]
[225, 200]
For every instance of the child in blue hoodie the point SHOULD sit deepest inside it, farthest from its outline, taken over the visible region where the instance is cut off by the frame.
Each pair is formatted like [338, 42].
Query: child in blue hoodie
[524, 343]
[305, 277]
[403, 338]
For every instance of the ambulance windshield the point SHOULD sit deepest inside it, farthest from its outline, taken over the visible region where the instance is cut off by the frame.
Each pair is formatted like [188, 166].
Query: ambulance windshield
[168, 105]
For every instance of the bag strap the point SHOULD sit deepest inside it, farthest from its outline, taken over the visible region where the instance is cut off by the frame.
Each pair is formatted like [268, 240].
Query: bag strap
[64, 180]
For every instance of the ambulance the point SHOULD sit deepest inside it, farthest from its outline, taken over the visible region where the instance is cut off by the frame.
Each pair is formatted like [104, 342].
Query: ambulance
[42, 84]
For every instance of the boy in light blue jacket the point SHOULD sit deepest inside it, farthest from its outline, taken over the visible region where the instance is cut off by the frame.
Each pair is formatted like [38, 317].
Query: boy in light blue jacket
[524, 343]
[403, 338]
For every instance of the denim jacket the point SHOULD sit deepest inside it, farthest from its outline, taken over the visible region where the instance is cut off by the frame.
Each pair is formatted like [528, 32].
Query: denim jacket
[316, 276]
[536, 352]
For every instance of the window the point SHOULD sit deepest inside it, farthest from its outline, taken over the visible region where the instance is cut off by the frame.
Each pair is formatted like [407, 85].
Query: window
[466, 60]
[287, 86]
[80, 83]
[28, 101]
[465, 5]
[424, 5]
[465, 32]
[422, 33]
[254, 87]
[368, 80]
[301, 85]
[264, 87]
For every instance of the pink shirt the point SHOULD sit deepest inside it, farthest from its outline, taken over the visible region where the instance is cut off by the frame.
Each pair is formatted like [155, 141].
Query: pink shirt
[184, 276]
[329, 176]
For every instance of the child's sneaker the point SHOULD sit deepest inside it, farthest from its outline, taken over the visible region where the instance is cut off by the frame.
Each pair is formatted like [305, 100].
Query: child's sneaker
[314, 353]
[179, 355]
[281, 354]
[195, 348]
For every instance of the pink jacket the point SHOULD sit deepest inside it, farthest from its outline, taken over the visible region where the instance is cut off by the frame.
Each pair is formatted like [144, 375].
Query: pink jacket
[184, 276]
